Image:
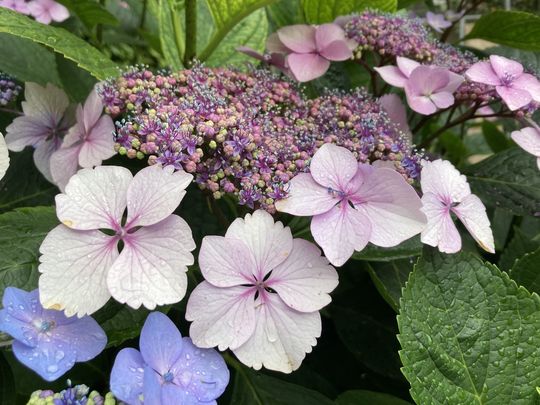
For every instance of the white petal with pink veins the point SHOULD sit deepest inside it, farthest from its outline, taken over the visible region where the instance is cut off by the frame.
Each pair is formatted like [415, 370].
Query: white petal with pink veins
[472, 213]
[73, 269]
[529, 139]
[4, 157]
[440, 230]
[94, 198]
[99, 143]
[333, 166]
[223, 317]
[442, 179]
[282, 337]
[151, 269]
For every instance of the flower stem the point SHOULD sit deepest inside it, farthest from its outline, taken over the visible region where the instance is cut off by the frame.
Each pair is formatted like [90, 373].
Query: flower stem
[191, 32]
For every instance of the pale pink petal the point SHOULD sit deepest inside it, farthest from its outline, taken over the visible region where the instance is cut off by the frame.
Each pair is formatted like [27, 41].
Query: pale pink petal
[420, 104]
[99, 143]
[93, 107]
[73, 269]
[442, 179]
[151, 270]
[274, 44]
[340, 232]
[298, 38]
[4, 157]
[426, 80]
[223, 317]
[58, 12]
[529, 139]
[282, 337]
[406, 65]
[454, 83]
[94, 198]
[154, 194]
[25, 131]
[332, 42]
[251, 52]
[392, 75]
[42, 157]
[440, 230]
[505, 67]
[472, 213]
[226, 262]
[333, 166]
[64, 164]
[395, 109]
[337, 51]
[48, 104]
[514, 98]
[442, 99]
[306, 197]
[437, 21]
[305, 279]
[482, 72]
[530, 84]
[307, 66]
[269, 242]
[392, 206]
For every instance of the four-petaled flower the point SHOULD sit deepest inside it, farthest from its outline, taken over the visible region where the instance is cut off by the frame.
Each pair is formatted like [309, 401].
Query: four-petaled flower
[437, 21]
[262, 294]
[529, 139]
[87, 143]
[45, 340]
[168, 369]
[80, 264]
[446, 191]
[353, 204]
[516, 88]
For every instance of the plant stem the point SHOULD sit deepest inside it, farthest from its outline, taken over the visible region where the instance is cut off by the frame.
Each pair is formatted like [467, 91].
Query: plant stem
[10, 111]
[191, 32]
[469, 114]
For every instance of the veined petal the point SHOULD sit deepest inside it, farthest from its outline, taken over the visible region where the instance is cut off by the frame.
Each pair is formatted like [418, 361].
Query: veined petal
[83, 335]
[20, 308]
[154, 194]
[333, 166]
[269, 242]
[513, 97]
[306, 197]
[392, 75]
[42, 157]
[298, 38]
[93, 107]
[440, 230]
[442, 179]
[4, 157]
[64, 164]
[282, 337]
[223, 317]
[337, 51]
[152, 387]
[420, 104]
[151, 270]
[482, 72]
[528, 83]
[307, 66]
[305, 279]
[127, 376]
[406, 65]
[25, 131]
[442, 99]
[94, 198]
[529, 139]
[73, 269]
[505, 67]
[472, 213]
[47, 104]
[426, 80]
[99, 143]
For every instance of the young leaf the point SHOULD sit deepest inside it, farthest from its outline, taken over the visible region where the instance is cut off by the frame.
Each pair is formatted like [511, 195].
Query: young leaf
[526, 271]
[359, 397]
[469, 334]
[62, 41]
[324, 11]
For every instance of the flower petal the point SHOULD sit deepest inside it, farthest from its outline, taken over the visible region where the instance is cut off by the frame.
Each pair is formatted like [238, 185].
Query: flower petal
[151, 270]
[337, 51]
[19, 309]
[440, 230]
[47, 104]
[99, 143]
[42, 157]
[92, 109]
[127, 376]
[505, 67]
[442, 179]
[406, 65]
[426, 80]
[305, 279]
[392, 206]
[269, 242]
[513, 97]
[454, 83]
[58, 12]
[25, 131]
[395, 109]
[472, 213]
[307, 66]
[282, 337]
[4, 157]
[333, 166]
[83, 335]
[530, 84]
[274, 44]
[226, 262]
[94, 198]
[73, 270]
[306, 197]
[298, 38]
[173, 394]
[64, 164]
[154, 194]
[529, 139]
[152, 387]
[160, 342]
[332, 42]
[442, 99]
[340, 232]
[223, 317]
[482, 72]
[420, 104]
[392, 75]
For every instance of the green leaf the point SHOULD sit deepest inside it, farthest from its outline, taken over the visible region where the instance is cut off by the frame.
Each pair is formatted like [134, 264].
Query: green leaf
[77, 83]
[390, 278]
[252, 388]
[407, 3]
[171, 33]
[251, 32]
[284, 12]
[510, 180]
[410, 247]
[526, 271]
[469, 334]
[21, 234]
[7, 383]
[517, 247]
[495, 138]
[501, 223]
[513, 28]
[323, 11]
[453, 148]
[62, 41]
[364, 397]
[21, 56]
[90, 12]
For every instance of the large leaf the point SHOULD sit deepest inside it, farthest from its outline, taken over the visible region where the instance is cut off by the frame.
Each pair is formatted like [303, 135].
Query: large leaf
[62, 41]
[390, 278]
[21, 234]
[77, 83]
[520, 244]
[364, 397]
[510, 180]
[410, 247]
[284, 12]
[90, 12]
[171, 35]
[323, 11]
[495, 138]
[252, 388]
[526, 271]
[513, 28]
[469, 334]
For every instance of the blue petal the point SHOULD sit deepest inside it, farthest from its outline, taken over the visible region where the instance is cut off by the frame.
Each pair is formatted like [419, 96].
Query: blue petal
[173, 394]
[20, 309]
[127, 376]
[17, 329]
[49, 360]
[151, 387]
[83, 335]
[160, 342]
[202, 372]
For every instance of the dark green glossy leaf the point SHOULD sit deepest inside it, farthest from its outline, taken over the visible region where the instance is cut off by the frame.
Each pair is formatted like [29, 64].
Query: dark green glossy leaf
[409, 248]
[495, 138]
[390, 278]
[519, 245]
[526, 271]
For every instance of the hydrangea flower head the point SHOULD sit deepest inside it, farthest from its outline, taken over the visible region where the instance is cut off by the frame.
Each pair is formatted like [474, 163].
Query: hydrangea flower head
[47, 11]
[4, 157]
[46, 340]
[168, 369]
[81, 266]
[262, 294]
[446, 191]
[86, 144]
[516, 88]
[43, 125]
[437, 21]
[353, 204]
[529, 139]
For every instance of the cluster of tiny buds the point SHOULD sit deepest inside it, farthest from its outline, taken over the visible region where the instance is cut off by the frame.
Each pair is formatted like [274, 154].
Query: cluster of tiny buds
[76, 395]
[9, 89]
